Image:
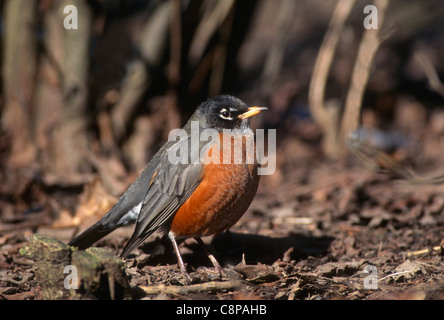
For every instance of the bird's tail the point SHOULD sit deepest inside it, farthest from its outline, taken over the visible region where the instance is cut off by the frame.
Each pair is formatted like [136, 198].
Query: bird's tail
[133, 243]
[94, 233]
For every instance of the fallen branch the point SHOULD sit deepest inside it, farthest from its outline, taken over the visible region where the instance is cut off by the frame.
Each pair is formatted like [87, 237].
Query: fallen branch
[424, 251]
[193, 288]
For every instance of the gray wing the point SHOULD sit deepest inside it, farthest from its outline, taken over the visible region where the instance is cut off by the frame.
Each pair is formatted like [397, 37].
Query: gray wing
[170, 186]
[126, 210]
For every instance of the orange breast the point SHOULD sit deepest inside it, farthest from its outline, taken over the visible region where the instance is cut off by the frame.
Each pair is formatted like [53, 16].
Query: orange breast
[220, 200]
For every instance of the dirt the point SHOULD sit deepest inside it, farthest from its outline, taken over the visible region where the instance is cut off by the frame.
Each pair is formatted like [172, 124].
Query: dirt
[317, 229]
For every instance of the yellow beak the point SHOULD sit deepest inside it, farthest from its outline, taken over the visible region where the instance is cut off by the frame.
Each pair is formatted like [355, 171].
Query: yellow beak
[252, 111]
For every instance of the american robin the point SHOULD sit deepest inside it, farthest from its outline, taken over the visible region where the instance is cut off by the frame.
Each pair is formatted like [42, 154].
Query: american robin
[190, 198]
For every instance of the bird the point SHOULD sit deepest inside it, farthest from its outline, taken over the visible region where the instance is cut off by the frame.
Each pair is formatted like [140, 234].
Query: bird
[190, 199]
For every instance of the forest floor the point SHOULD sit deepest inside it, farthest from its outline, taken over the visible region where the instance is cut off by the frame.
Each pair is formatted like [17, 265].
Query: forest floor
[317, 229]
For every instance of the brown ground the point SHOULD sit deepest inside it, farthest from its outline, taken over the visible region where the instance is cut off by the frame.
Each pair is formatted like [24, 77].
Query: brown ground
[313, 229]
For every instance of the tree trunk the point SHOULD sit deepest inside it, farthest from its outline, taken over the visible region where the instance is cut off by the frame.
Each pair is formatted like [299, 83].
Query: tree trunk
[71, 143]
[19, 66]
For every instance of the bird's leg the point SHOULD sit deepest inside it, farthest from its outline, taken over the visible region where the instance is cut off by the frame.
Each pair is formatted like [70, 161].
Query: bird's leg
[210, 256]
[179, 257]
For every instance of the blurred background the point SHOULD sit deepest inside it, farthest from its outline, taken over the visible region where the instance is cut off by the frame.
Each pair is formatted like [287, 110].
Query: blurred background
[83, 109]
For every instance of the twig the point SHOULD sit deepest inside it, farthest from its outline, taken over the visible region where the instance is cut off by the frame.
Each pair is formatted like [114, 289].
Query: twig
[430, 72]
[276, 53]
[379, 161]
[175, 43]
[209, 24]
[370, 43]
[423, 251]
[153, 43]
[321, 70]
[24, 225]
[220, 56]
[394, 274]
[376, 159]
[193, 288]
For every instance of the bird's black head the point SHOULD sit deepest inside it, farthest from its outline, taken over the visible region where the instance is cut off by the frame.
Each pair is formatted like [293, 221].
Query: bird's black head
[226, 112]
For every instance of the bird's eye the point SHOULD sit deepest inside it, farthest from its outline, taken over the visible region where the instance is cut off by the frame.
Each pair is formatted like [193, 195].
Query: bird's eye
[225, 114]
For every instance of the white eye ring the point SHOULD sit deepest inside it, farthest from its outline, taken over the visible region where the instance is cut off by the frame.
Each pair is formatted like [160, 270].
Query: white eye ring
[225, 114]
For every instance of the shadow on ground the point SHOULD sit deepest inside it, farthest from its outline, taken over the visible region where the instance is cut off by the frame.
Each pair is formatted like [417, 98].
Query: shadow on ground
[229, 249]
